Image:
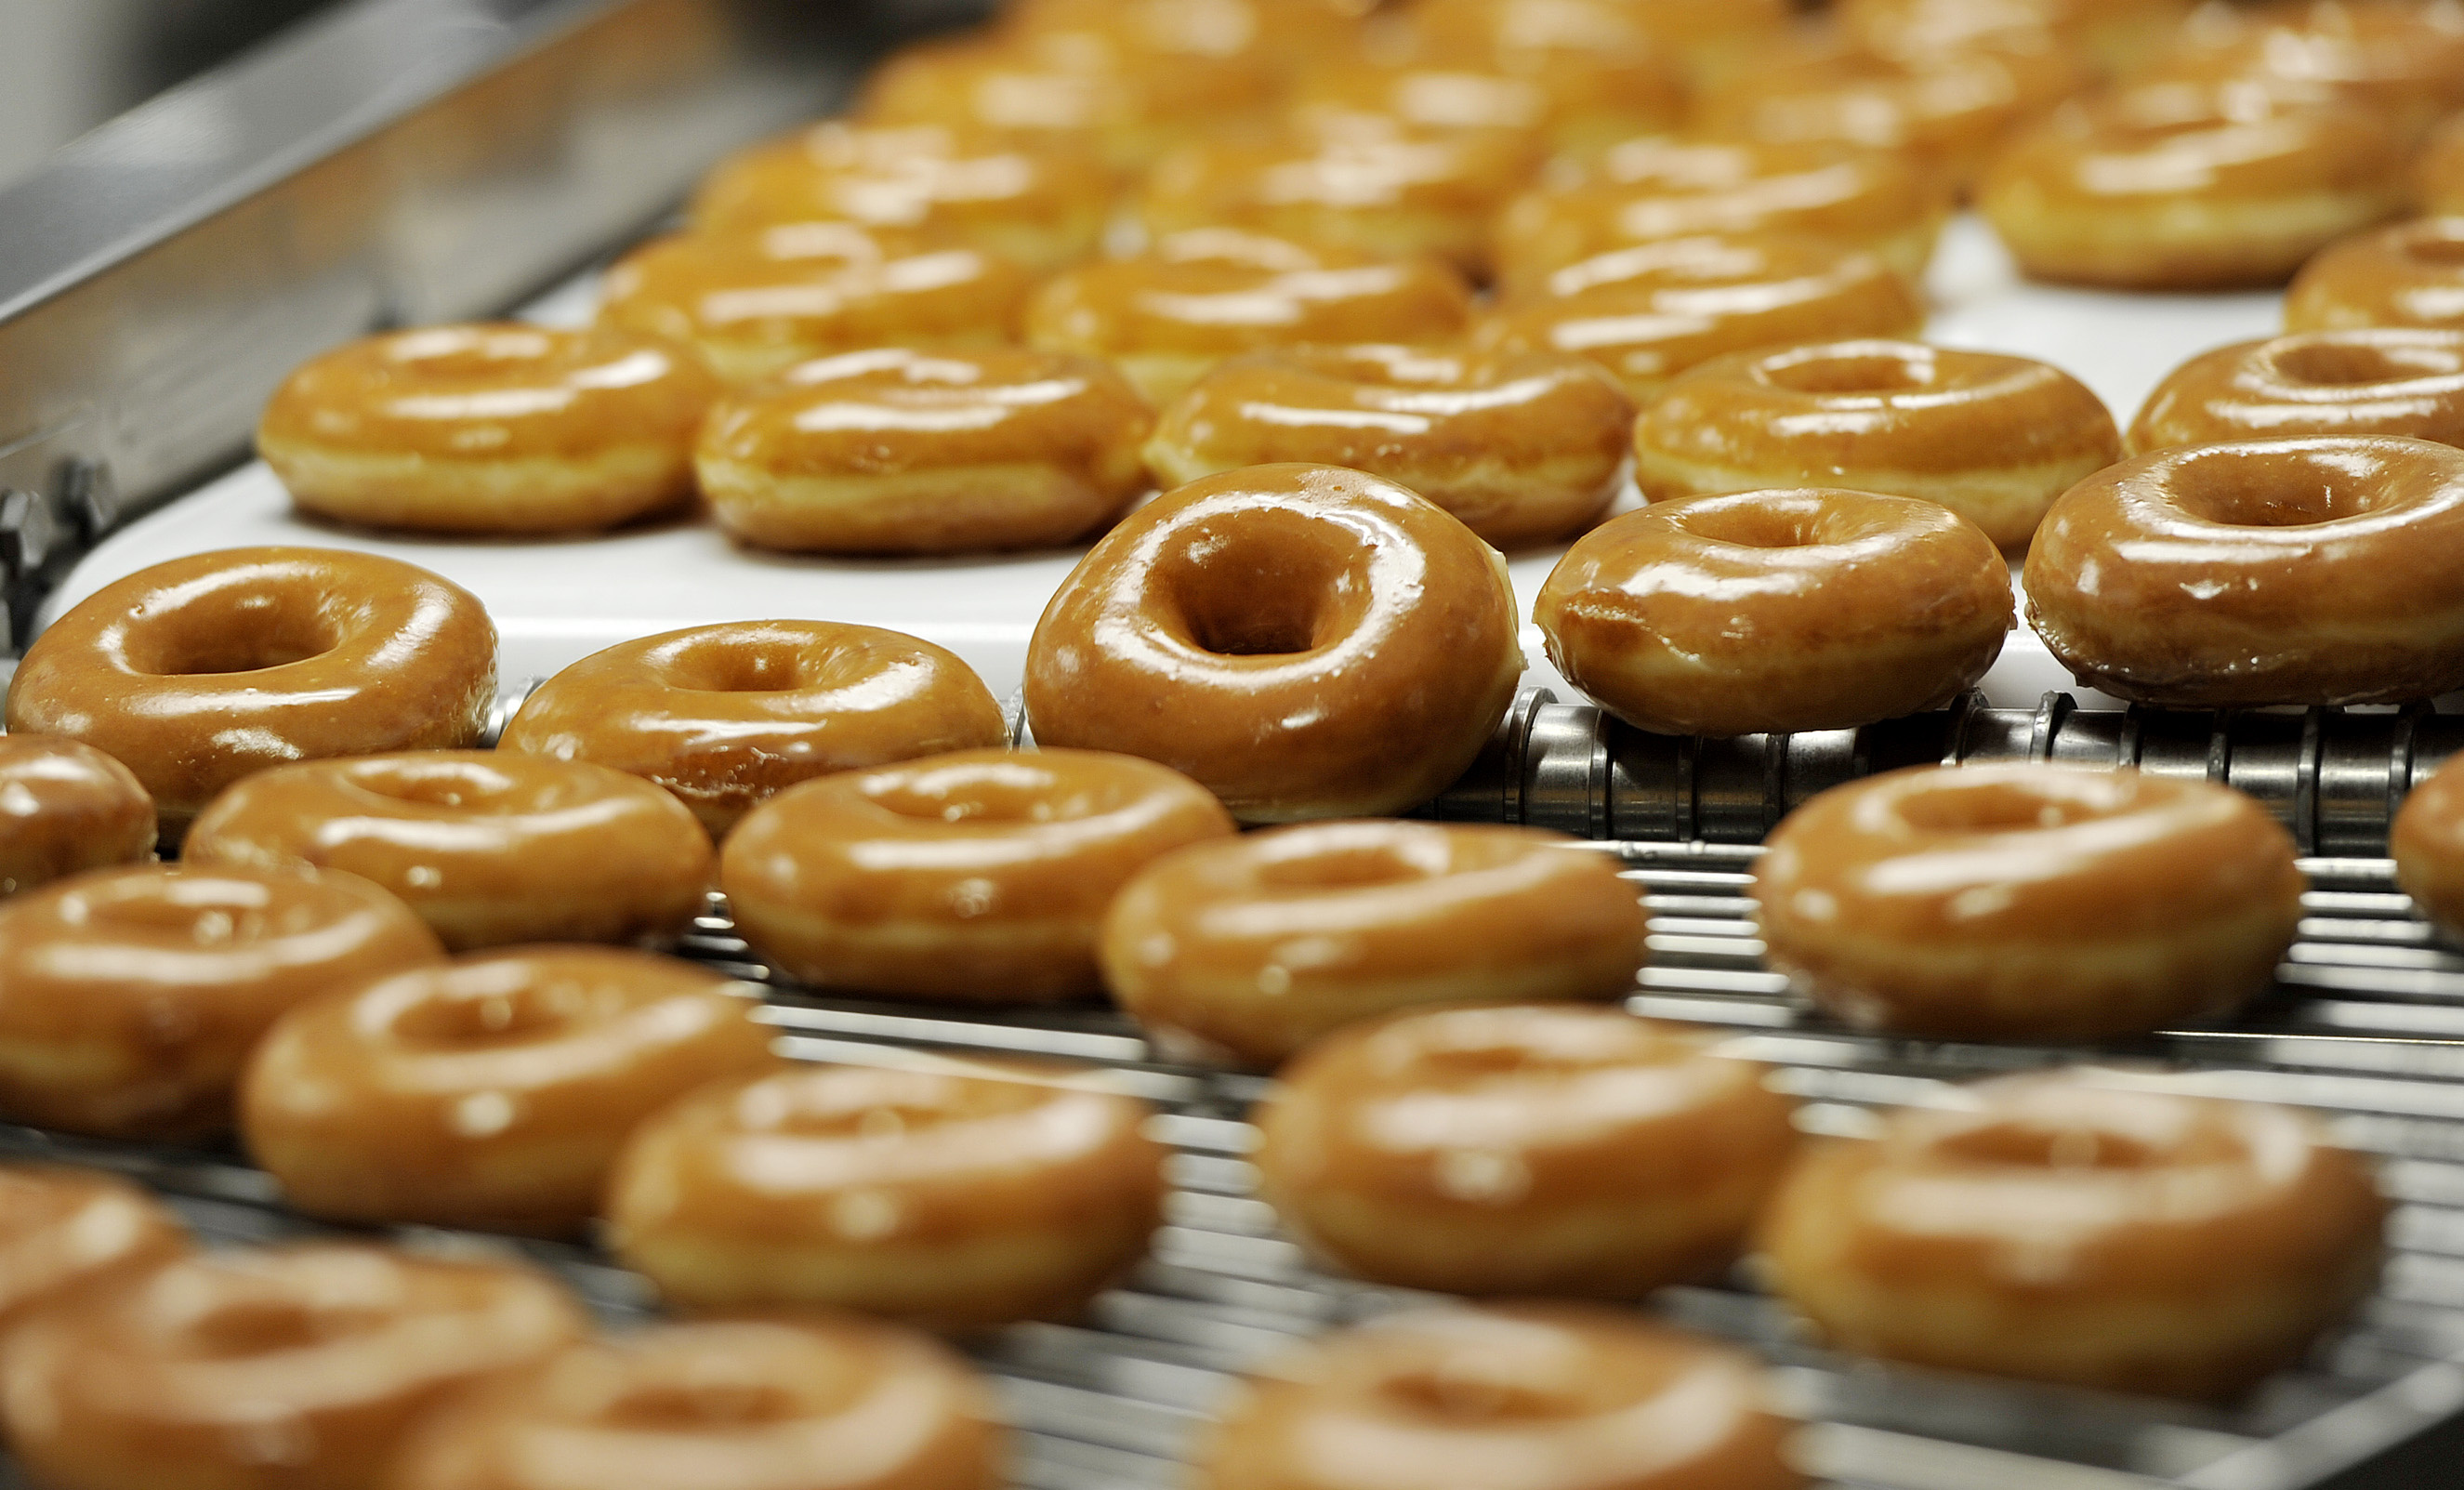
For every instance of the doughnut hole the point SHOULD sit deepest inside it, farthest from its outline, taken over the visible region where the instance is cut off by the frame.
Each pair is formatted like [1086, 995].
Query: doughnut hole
[1463, 1399]
[230, 629]
[1993, 807]
[2258, 487]
[246, 1327]
[2342, 361]
[1360, 868]
[1757, 524]
[2039, 1146]
[2437, 247]
[739, 665]
[1870, 369]
[703, 1407]
[985, 791]
[453, 785]
[458, 1015]
[1263, 592]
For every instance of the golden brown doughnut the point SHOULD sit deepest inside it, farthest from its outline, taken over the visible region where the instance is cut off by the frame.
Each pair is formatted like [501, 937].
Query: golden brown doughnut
[1597, 73]
[959, 1196]
[1994, 438]
[727, 715]
[2027, 901]
[2401, 59]
[489, 429]
[293, 1368]
[1544, 1150]
[63, 1231]
[1249, 949]
[756, 301]
[1304, 641]
[1645, 191]
[1777, 610]
[197, 671]
[2438, 171]
[1652, 311]
[1716, 37]
[2427, 842]
[2122, 35]
[1535, 1396]
[65, 806]
[1521, 446]
[2408, 274]
[897, 452]
[2190, 186]
[1040, 205]
[130, 998]
[977, 876]
[2309, 571]
[2069, 1228]
[490, 847]
[835, 1403]
[492, 1091]
[2387, 381]
[1168, 315]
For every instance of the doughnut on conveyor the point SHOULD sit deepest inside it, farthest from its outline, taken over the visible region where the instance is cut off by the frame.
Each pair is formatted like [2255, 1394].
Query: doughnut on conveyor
[405, 160]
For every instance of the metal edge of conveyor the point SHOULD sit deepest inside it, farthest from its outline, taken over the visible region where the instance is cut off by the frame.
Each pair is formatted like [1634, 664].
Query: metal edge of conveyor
[392, 162]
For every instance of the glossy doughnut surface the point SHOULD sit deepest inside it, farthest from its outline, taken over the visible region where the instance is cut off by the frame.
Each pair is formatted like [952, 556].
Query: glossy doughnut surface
[1304, 641]
[2409, 274]
[2027, 901]
[2402, 380]
[66, 806]
[66, 1230]
[1779, 610]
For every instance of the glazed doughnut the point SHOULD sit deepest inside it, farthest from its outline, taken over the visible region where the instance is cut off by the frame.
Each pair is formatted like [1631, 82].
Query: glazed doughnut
[491, 428]
[1545, 1152]
[1994, 438]
[977, 876]
[2122, 35]
[2427, 842]
[489, 848]
[1645, 191]
[1041, 206]
[1248, 950]
[2388, 380]
[63, 1231]
[1522, 447]
[198, 672]
[758, 301]
[2409, 274]
[2438, 171]
[963, 1195]
[2077, 1228]
[2190, 186]
[1596, 73]
[491, 1091]
[1166, 317]
[292, 1365]
[897, 452]
[1652, 311]
[1304, 641]
[2311, 571]
[130, 998]
[2027, 901]
[1715, 37]
[727, 715]
[66, 808]
[1776, 611]
[2400, 59]
[1535, 1396]
[807, 1404]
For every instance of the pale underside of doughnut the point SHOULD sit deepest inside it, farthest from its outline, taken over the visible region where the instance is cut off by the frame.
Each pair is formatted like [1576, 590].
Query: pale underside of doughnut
[1230, 1011]
[744, 359]
[2299, 659]
[1009, 961]
[1021, 1274]
[2177, 242]
[1009, 504]
[523, 494]
[535, 1185]
[1503, 501]
[2007, 503]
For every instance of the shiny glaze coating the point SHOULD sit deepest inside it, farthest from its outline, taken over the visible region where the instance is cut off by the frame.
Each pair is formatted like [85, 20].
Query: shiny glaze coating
[2401, 59]
[1248, 950]
[1542, 1150]
[2408, 274]
[2384, 380]
[63, 1231]
[727, 715]
[897, 452]
[1650, 312]
[977, 877]
[1645, 191]
[965, 1196]
[1778, 610]
[1305, 641]
[486, 429]
[2310, 571]
[289, 1367]
[1994, 438]
[130, 998]
[758, 301]
[492, 1091]
[198, 672]
[490, 847]
[2191, 186]
[66, 806]
[2027, 901]
[1522, 1397]
[2121, 35]
[2427, 842]
[1168, 315]
[1523, 447]
[1039, 204]
[835, 1403]
[2071, 1228]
